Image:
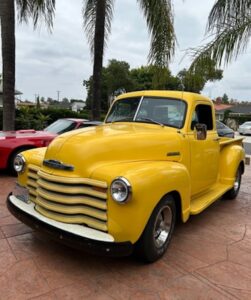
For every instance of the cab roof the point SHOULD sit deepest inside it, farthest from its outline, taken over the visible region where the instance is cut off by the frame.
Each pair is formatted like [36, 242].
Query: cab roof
[187, 96]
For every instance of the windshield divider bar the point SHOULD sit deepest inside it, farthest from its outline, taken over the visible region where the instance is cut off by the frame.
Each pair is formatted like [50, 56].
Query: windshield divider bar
[135, 116]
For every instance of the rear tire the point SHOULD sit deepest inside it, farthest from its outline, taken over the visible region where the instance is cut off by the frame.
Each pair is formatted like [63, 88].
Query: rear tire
[158, 232]
[232, 194]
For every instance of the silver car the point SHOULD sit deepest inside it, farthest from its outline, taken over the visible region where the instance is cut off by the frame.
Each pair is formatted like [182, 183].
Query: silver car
[245, 128]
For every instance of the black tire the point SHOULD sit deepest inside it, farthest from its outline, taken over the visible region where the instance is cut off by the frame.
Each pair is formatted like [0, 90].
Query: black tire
[232, 194]
[156, 236]
[11, 169]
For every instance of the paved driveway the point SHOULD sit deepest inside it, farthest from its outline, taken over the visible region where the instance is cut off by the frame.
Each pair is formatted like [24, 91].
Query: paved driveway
[209, 258]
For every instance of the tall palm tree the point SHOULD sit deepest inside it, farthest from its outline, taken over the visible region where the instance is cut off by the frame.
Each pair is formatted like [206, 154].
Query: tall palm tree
[97, 20]
[7, 14]
[229, 28]
[35, 9]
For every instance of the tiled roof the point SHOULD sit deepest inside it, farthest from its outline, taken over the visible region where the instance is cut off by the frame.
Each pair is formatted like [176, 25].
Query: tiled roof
[222, 106]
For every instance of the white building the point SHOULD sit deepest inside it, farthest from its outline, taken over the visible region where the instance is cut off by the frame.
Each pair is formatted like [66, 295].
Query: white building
[77, 106]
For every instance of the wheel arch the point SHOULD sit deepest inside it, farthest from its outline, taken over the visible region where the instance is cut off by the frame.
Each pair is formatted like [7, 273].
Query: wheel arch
[150, 181]
[231, 158]
[18, 149]
[178, 203]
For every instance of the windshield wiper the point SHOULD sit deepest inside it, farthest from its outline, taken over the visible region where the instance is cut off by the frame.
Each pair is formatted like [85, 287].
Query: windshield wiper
[150, 120]
[122, 120]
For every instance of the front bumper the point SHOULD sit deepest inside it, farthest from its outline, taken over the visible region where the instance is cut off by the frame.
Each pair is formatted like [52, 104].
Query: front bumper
[76, 236]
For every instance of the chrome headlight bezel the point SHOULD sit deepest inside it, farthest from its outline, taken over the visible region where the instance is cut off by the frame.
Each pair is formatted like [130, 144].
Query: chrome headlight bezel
[19, 163]
[121, 190]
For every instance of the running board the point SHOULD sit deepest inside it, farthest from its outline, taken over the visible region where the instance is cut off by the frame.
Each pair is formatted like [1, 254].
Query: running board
[202, 201]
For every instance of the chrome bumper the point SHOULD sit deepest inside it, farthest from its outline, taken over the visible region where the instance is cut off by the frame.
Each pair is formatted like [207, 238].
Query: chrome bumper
[76, 236]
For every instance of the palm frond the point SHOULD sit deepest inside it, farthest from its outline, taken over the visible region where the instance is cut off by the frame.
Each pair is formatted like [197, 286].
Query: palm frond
[229, 27]
[159, 18]
[89, 16]
[226, 45]
[38, 10]
[227, 12]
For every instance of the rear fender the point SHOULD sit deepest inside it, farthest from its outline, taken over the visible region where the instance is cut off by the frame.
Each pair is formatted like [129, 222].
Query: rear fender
[150, 182]
[232, 156]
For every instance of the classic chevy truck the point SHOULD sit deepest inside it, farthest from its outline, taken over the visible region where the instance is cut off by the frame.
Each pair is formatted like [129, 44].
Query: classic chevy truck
[120, 187]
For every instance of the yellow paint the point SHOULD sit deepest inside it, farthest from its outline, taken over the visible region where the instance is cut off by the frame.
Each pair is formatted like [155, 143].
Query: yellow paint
[197, 174]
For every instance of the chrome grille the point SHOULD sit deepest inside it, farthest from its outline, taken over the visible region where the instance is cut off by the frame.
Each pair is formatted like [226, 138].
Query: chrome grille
[69, 199]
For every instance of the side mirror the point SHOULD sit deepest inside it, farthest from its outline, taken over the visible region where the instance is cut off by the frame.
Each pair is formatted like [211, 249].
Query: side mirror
[200, 132]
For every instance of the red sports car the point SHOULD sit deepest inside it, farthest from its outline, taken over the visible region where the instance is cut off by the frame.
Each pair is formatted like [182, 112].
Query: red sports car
[14, 142]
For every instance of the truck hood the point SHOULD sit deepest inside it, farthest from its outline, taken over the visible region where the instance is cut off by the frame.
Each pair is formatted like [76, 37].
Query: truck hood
[89, 148]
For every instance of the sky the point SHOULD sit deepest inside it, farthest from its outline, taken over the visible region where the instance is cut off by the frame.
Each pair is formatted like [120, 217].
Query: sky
[59, 61]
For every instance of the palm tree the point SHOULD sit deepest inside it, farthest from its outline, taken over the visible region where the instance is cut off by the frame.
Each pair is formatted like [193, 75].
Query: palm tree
[97, 21]
[37, 10]
[7, 14]
[229, 27]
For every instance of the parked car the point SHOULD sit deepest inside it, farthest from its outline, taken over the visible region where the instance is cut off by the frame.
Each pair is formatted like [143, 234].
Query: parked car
[121, 186]
[245, 128]
[63, 125]
[223, 130]
[14, 142]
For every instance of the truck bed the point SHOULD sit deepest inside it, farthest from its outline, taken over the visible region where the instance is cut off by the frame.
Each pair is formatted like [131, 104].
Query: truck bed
[226, 141]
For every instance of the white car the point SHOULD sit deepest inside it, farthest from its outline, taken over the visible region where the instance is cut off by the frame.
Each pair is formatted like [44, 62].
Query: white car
[245, 128]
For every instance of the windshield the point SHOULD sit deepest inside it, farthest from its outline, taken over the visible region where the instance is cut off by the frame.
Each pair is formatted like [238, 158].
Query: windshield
[165, 111]
[61, 126]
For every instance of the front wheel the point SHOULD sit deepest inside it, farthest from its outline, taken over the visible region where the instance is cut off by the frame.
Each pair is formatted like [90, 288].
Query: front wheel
[232, 194]
[158, 231]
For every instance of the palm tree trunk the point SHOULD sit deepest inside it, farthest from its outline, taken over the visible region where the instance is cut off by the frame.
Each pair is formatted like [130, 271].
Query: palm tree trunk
[98, 58]
[7, 14]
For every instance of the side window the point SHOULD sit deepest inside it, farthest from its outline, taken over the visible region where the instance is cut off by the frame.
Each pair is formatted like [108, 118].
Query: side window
[203, 115]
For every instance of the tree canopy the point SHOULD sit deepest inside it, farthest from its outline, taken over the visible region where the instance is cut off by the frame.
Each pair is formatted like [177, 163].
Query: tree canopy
[118, 78]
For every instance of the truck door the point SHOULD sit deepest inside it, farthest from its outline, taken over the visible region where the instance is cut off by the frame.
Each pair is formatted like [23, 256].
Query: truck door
[204, 162]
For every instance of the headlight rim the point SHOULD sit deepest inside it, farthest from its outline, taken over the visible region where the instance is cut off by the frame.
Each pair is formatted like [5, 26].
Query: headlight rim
[19, 155]
[128, 186]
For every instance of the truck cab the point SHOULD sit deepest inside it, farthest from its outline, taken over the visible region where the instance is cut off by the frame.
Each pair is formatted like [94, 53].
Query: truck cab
[120, 187]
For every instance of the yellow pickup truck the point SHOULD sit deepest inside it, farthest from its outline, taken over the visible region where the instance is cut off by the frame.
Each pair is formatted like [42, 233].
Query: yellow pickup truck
[121, 187]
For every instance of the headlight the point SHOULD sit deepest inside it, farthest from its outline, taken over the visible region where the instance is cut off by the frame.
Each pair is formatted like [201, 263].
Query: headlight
[19, 163]
[121, 190]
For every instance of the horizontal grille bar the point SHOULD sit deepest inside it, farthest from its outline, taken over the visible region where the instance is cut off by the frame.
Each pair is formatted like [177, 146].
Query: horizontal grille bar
[72, 180]
[71, 209]
[34, 168]
[75, 219]
[69, 189]
[69, 199]
[56, 197]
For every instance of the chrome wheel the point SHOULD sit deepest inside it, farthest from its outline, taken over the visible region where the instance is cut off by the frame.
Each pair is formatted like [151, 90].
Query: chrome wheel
[162, 226]
[232, 194]
[158, 231]
[237, 181]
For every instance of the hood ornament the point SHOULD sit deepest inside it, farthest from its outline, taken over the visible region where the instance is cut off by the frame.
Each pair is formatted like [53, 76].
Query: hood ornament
[56, 164]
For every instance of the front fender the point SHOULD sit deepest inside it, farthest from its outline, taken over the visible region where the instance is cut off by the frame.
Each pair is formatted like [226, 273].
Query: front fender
[150, 182]
[33, 157]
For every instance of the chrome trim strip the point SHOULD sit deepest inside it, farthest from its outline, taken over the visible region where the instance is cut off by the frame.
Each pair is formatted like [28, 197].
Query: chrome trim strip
[55, 164]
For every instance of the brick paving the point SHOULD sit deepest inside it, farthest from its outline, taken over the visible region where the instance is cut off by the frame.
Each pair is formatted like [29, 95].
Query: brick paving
[209, 258]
